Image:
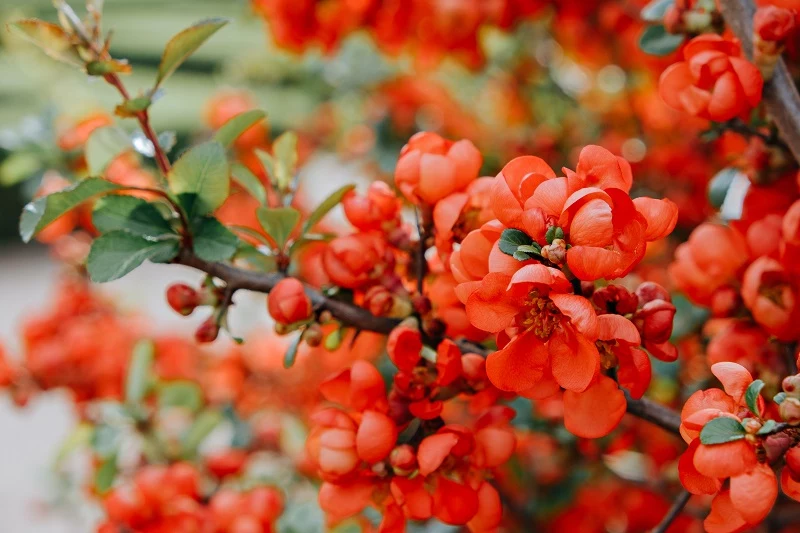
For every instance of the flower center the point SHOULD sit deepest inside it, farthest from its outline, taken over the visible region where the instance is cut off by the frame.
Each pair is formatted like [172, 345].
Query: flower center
[540, 316]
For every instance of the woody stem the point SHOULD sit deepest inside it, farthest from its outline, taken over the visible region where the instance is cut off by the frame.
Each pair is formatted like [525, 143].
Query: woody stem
[674, 512]
[780, 95]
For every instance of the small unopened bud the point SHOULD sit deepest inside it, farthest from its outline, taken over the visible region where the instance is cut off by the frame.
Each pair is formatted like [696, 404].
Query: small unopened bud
[182, 298]
[333, 340]
[403, 459]
[649, 291]
[288, 303]
[313, 335]
[378, 300]
[791, 385]
[654, 321]
[790, 410]
[772, 26]
[752, 426]
[556, 251]
[208, 331]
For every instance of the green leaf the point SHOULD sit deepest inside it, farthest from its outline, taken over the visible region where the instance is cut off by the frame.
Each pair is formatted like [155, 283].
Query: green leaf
[242, 175]
[203, 425]
[751, 396]
[236, 126]
[42, 211]
[721, 430]
[291, 352]
[131, 214]
[140, 372]
[719, 185]
[212, 241]
[278, 222]
[768, 427]
[184, 44]
[284, 155]
[658, 42]
[117, 253]
[511, 239]
[129, 108]
[105, 439]
[185, 394]
[51, 38]
[655, 10]
[105, 475]
[521, 256]
[108, 66]
[17, 167]
[324, 208]
[103, 146]
[778, 398]
[202, 171]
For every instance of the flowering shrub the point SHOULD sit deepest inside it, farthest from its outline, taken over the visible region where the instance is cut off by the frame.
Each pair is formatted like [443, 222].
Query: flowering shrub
[464, 343]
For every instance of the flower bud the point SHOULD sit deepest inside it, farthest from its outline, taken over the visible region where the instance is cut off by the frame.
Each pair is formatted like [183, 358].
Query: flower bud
[791, 385]
[208, 331]
[378, 300]
[556, 251]
[288, 303]
[649, 291]
[772, 23]
[403, 459]
[313, 335]
[474, 369]
[182, 298]
[790, 410]
[654, 321]
[615, 299]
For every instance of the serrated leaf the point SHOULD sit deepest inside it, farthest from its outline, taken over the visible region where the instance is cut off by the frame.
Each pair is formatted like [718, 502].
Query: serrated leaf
[39, 213]
[324, 208]
[721, 430]
[103, 146]
[751, 396]
[657, 41]
[291, 352]
[105, 475]
[202, 171]
[184, 44]
[131, 214]
[242, 175]
[212, 241]
[117, 253]
[278, 222]
[140, 372]
[768, 427]
[51, 38]
[655, 10]
[511, 239]
[185, 394]
[236, 126]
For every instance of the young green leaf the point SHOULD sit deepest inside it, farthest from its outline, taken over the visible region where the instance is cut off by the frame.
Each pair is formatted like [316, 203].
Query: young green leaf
[203, 425]
[324, 208]
[130, 108]
[242, 175]
[212, 241]
[186, 394]
[278, 222]
[117, 253]
[291, 352]
[105, 475]
[768, 427]
[51, 38]
[751, 396]
[655, 10]
[131, 214]
[719, 185]
[140, 372]
[721, 430]
[202, 171]
[284, 153]
[511, 239]
[184, 44]
[778, 398]
[236, 126]
[42, 211]
[103, 146]
[657, 41]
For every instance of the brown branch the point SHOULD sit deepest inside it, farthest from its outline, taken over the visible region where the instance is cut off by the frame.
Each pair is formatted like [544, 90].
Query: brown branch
[780, 95]
[674, 512]
[653, 412]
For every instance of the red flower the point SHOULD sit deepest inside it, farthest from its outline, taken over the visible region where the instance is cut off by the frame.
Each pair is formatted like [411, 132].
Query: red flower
[713, 81]
[772, 296]
[553, 331]
[431, 168]
[379, 209]
[354, 261]
[288, 303]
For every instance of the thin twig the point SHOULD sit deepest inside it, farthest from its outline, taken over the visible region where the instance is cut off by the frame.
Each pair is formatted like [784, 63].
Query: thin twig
[674, 512]
[653, 412]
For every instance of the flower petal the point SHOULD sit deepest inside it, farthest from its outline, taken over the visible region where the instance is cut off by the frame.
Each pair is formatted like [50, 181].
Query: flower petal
[754, 493]
[574, 360]
[690, 478]
[519, 365]
[434, 450]
[661, 216]
[596, 411]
